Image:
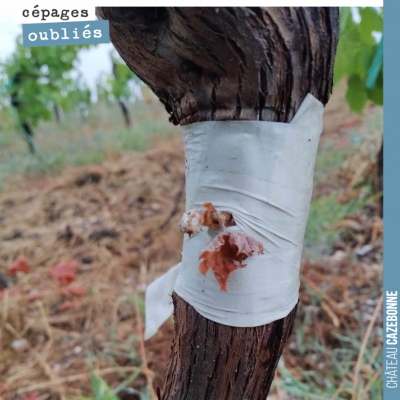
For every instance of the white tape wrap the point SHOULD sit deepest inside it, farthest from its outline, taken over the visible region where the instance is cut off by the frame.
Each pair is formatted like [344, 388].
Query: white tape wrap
[262, 173]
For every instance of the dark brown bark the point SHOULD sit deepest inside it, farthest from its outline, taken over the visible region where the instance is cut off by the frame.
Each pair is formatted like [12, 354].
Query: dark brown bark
[125, 112]
[121, 103]
[18, 105]
[228, 63]
[28, 136]
[210, 361]
[209, 64]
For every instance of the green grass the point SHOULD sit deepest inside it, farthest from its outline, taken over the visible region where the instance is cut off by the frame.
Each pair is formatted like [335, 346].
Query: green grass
[5, 140]
[336, 359]
[113, 350]
[102, 391]
[328, 162]
[336, 356]
[325, 212]
[75, 142]
[337, 364]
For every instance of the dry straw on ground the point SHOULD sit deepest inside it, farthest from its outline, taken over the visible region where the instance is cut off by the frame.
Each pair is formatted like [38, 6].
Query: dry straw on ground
[119, 222]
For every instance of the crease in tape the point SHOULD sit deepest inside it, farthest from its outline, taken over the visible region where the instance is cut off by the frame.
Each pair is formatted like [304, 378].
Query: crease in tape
[262, 173]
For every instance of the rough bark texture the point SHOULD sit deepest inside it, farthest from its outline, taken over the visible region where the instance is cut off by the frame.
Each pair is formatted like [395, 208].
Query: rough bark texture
[209, 64]
[228, 63]
[210, 361]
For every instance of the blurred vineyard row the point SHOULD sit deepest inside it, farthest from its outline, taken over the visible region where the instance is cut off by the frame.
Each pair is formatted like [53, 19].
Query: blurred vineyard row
[43, 83]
